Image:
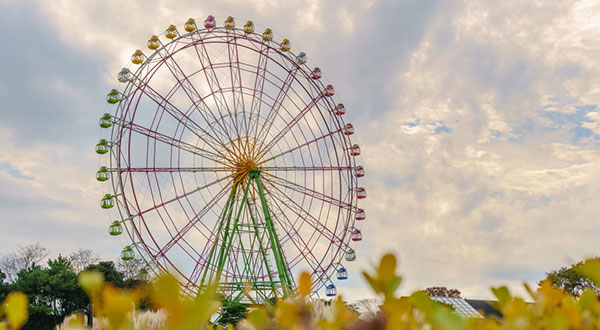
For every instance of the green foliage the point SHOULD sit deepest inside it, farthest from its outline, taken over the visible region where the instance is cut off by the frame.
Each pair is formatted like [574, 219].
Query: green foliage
[111, 274]
[41, 317]
[63, 286]
[34, 282]
[53, 293]
[5, 287]
[132, 283]
[232, 312]
[572, 281]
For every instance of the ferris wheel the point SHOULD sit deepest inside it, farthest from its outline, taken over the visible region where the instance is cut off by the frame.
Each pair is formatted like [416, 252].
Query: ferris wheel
[229, 161]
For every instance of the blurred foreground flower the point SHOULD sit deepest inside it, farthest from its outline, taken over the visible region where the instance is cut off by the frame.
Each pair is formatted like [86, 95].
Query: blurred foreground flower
[114, 308]
[13, 311]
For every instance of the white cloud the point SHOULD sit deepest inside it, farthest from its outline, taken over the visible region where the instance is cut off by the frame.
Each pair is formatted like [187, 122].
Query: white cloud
[594, 124]
[496, 193]
[54, 200]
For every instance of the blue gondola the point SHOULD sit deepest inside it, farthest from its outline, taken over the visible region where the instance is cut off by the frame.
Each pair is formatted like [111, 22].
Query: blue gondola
[330, 290]
[342, 274]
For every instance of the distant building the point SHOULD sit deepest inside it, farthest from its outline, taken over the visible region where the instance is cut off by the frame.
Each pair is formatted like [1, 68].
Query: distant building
[460, 305]
[369, 308]
[486, 307]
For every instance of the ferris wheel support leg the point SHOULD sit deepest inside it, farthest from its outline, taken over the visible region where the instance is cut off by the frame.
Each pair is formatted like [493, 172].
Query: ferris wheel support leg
[284, 276]
[227, 243]
[262, 250]
[224, 221]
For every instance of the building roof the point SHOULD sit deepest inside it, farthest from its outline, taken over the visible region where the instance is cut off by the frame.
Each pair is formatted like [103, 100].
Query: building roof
[460, 305]
[485, 307]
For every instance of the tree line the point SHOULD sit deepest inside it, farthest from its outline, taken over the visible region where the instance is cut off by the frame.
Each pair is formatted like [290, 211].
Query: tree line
[51, 284]
[53, 293]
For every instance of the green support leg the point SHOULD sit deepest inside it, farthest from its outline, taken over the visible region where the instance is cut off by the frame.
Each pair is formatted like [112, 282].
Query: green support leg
[230, 229]
[225, 249]
[284, 276]
[225, 219]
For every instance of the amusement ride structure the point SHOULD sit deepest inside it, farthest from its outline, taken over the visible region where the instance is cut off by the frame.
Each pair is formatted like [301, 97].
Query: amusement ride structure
[229, 161]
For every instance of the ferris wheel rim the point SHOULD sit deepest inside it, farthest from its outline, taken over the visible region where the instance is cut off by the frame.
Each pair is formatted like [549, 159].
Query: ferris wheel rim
[273, 168]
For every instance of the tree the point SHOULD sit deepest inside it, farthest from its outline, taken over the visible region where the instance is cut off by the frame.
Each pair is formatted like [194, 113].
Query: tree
[111, 274]
[5, 287]
[64, 286]
[366, 308]
[53, 293]
[34, 283]
[442, 291]
[571, 281]
[232, 312]
[23, 258]
[136, 269]
[82, 258]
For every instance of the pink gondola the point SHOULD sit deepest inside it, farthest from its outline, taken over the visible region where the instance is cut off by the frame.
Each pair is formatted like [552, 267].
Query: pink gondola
[360, 215]
[209, 22]
[359, 171]
[316, 73]
[361, 193]
[348, 129]
[356, 235]
[329, 90]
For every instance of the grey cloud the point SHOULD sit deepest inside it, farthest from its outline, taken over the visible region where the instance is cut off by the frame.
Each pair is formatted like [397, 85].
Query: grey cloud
[30, 216]
[379, 49]
[52, 92]
[490, 222]
[516, 273]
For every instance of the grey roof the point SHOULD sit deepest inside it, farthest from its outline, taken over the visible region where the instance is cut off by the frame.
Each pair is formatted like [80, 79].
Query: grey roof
[486, 307]
[460, 306]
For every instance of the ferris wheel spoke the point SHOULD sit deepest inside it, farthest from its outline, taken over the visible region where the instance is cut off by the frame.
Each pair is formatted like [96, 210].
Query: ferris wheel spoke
[205, 258]
[175, 238]
[309, 192]
[308, 168]
[183, 195]
[259, 85]
[171, 141]
[306, 216]
[181, 117]
[213, 83]
[189, 89]
[306, 144]
[304, 250]
[310, 220]
[307, 251]
[281, 95]
[291, 124]
[236, 80]
[170, 169]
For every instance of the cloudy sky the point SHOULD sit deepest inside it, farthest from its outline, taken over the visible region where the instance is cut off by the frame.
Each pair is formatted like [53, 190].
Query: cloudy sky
[478, 122]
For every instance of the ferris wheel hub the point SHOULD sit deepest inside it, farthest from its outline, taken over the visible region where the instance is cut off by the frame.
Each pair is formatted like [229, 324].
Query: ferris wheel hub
[243, 157]
[243, 169]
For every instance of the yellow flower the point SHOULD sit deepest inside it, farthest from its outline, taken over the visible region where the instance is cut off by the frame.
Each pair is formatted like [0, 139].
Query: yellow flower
[15, 307]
